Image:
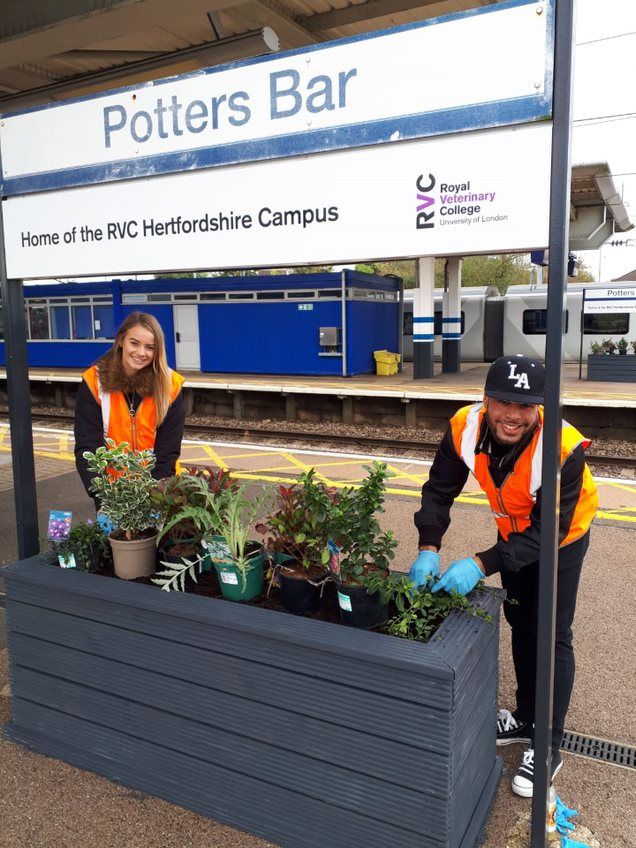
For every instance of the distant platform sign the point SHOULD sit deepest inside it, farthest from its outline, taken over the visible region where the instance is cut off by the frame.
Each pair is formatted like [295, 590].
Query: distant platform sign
[610, 300]
[489, 67]
[461, 194]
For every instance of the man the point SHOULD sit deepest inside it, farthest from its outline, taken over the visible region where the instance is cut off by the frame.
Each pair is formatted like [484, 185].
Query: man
[500, 442]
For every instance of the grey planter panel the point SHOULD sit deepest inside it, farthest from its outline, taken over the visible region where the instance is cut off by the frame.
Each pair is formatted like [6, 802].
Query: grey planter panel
[612, 369]
[264, 684]
[306, 733]
[290, 730]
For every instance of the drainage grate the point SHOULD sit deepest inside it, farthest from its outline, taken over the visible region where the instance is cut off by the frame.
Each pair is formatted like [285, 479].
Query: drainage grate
[599, 749]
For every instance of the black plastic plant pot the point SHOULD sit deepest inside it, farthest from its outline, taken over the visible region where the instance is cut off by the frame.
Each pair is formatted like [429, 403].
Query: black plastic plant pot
[297, 594]
[360, 609]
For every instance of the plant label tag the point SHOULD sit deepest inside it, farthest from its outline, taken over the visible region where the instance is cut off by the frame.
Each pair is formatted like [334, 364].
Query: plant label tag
[67, 561]
[59, 527]
[204, 544]
[344, 601]
[334, 557]
[229, 577]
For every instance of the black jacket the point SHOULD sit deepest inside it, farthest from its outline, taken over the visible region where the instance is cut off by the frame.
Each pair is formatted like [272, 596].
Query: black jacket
[89, 434]
[448, 477]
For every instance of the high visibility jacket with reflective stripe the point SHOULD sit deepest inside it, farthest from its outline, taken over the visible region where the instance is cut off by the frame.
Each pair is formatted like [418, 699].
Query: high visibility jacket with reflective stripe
[138, 430]
[512, 502]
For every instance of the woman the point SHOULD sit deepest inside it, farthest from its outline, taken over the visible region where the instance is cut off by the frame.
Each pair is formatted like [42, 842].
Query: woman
[130, 395]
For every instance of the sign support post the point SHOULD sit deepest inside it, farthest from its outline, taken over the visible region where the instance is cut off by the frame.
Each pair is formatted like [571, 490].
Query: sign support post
[581, 335]
[24, 489]
[551, 477]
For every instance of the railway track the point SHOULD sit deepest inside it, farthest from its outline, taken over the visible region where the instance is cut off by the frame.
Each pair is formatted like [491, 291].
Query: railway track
[377, 443]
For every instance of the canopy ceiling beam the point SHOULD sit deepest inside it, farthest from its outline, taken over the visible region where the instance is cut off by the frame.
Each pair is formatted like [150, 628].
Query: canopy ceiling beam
[273, 13]
[375, 9]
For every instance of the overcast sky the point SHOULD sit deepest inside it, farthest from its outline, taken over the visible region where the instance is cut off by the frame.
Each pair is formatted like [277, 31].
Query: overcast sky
[604, 87]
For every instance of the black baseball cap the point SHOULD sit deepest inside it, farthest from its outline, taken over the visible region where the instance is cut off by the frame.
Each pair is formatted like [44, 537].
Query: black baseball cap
[517, 378]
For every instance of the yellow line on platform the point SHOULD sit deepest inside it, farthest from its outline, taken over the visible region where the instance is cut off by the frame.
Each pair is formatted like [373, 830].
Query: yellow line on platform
[214, 455]
[620, 486]
[63, 457]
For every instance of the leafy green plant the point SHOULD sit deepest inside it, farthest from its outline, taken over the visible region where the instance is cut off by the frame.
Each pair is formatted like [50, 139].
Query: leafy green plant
[123, 483]
[89, 546]
[298, 529]
[417, 613]
[633, 345]
[355, 528]
[622, 344]
[232, 517]
[596, 348]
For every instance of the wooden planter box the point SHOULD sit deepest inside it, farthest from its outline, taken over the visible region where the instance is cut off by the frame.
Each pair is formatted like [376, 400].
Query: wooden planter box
[306, 733]
[612, 368]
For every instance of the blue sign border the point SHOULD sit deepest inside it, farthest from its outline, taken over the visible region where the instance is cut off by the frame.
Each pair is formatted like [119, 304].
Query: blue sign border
[440, 122]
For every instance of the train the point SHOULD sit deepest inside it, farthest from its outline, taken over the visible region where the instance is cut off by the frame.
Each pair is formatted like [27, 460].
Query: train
[72, 324]
[494, 325]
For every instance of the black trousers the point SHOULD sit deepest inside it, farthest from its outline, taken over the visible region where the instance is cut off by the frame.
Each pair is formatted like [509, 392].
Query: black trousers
[522, 586]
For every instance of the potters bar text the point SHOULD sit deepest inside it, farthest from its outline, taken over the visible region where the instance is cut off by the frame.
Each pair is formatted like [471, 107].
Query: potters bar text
[289, 94]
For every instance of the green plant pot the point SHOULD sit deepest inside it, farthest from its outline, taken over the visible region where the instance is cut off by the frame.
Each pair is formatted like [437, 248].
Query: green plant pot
[231, 581]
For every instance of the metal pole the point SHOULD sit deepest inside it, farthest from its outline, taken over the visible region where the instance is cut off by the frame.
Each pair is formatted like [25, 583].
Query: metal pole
[26, 505]
[581, 334]
[343, 312]
[551, 479]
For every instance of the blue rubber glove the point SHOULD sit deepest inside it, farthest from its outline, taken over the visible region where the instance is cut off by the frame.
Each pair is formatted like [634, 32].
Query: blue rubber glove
[461, 576]
[561, 817]
[571, 843]
[426, 564]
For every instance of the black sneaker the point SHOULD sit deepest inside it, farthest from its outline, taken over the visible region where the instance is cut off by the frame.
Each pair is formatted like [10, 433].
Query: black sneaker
[523, 781]
[509, 730]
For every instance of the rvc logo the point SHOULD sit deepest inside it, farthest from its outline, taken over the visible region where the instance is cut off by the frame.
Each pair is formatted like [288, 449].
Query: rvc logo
[425, 220]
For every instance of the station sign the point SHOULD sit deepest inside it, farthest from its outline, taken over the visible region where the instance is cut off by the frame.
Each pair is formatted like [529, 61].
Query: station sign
[609, 300]
[460, 194]
[488, 67]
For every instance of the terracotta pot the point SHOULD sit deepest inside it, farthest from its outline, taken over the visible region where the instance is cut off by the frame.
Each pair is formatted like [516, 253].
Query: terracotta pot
[136, 558]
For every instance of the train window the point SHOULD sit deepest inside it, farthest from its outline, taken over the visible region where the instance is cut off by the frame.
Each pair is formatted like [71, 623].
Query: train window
[604, 324]
[407, 323]
[535, 321]
[38, 322]
[82, 322]
[103, 322]
[300, 295]
[270, 295]
[213, 296]
[437, 326]
[60, 322]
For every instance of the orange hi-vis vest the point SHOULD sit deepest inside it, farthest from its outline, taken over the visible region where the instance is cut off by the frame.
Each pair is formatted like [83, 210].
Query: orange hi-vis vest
[140, 429]
[513, 501]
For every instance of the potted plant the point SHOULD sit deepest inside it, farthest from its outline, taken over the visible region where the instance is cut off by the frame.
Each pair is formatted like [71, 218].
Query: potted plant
[360, 548]
[633, 345]
[123, 483]
[185, 501]
[609, 346]
[622, 346]
[297, 536]
[86, 548]
[597, 349]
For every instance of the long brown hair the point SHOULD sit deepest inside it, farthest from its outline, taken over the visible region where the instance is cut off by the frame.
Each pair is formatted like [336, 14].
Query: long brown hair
[162, 378]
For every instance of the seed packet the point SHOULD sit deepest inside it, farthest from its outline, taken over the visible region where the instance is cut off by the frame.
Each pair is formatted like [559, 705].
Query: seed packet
[59, 525]
[334, 557]
[67, 560]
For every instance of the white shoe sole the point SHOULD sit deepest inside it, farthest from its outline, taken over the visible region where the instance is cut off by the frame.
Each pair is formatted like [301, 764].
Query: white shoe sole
[518, 740]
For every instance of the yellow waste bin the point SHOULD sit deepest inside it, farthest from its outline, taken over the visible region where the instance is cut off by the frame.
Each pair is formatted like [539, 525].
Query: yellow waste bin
[386, 363]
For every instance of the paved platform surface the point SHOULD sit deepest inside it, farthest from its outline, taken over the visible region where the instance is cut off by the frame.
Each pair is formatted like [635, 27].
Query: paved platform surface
[45, 803]
[467, 385]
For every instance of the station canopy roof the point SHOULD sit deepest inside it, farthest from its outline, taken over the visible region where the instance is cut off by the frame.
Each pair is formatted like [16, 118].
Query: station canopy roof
[69, 48]
[596, 208]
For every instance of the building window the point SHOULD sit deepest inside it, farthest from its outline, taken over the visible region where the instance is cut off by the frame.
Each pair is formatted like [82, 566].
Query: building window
[603, 324]
[103, 322]
[60, 322]
[270, 295]
[82, 322]
[535, 321]
[38, 323]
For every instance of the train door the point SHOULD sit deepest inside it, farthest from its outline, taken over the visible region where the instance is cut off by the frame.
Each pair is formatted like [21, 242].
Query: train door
[493, 329]
[186, 335]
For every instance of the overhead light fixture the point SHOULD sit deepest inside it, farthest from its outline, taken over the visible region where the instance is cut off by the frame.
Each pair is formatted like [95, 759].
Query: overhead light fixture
[231, 49]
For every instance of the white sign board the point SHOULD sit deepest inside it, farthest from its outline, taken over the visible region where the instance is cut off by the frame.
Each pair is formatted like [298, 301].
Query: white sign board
[459, 194]
[610, 300]
[483, 68]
